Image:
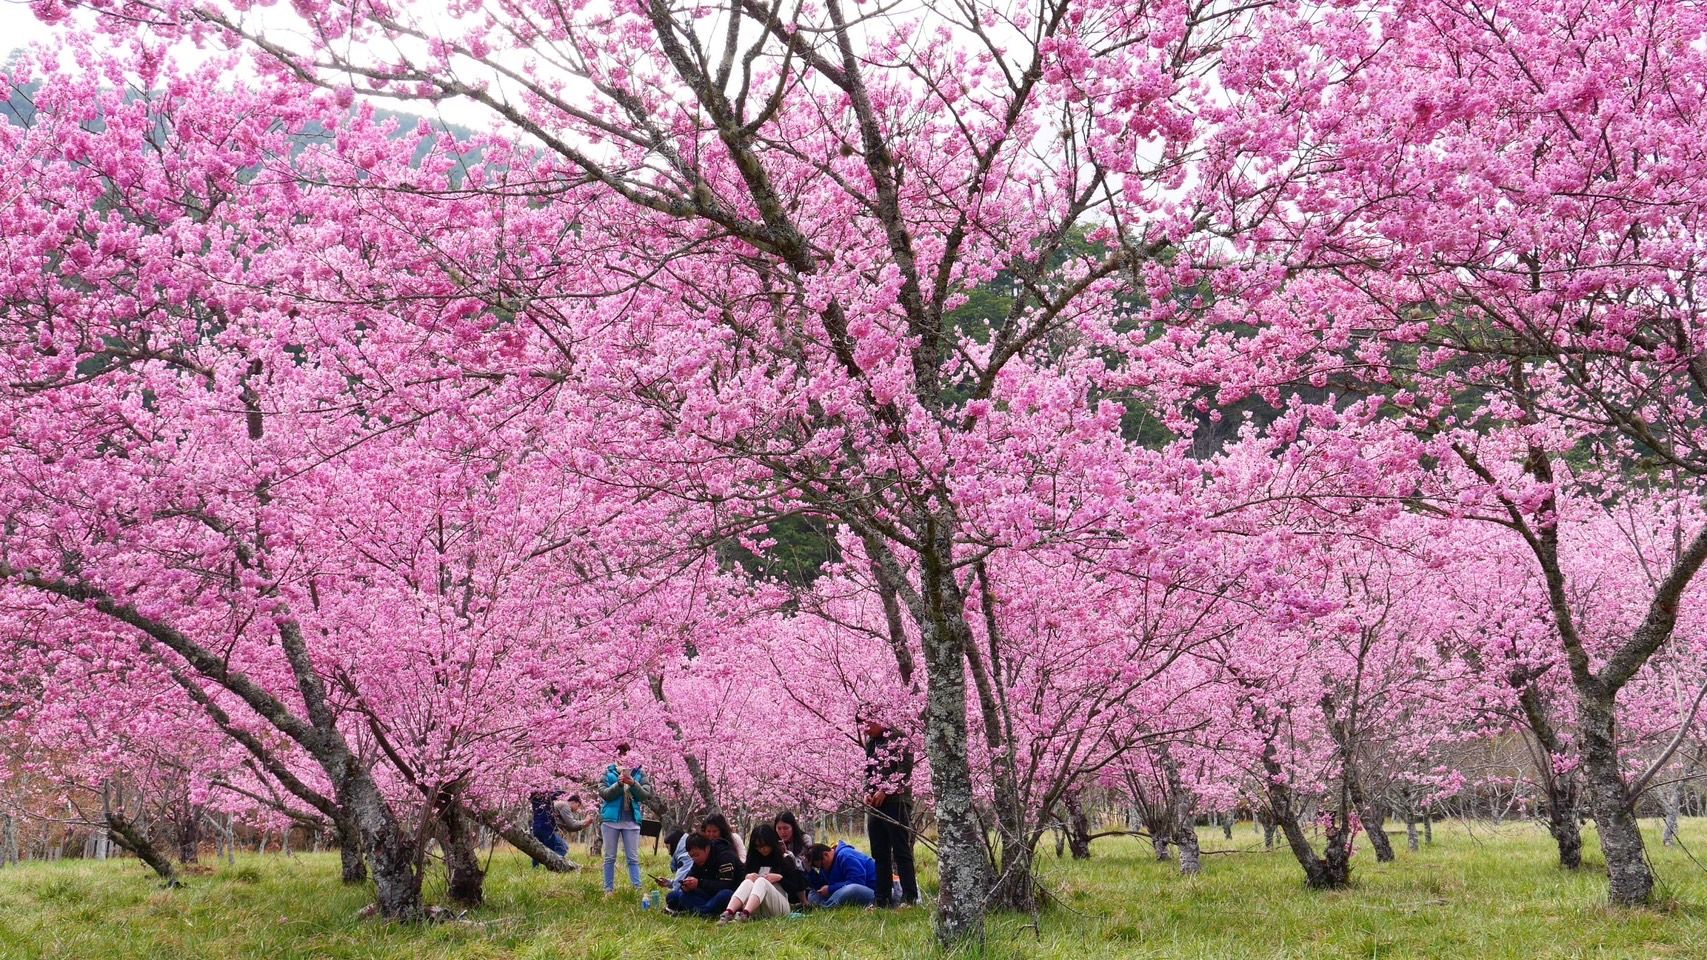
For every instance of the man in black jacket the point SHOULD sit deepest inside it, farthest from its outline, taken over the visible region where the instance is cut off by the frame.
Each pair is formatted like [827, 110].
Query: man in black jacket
[889, 813]
[708, 886]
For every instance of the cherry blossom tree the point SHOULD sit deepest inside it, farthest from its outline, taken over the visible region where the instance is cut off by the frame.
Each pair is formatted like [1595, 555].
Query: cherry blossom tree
[1491, 217]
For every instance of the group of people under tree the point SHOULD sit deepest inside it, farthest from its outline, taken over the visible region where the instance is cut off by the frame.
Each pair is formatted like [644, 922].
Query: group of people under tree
[778, 868]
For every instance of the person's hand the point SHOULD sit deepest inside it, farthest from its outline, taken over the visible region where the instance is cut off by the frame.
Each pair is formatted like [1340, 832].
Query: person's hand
[877, 798]
[824, 891]
[751, 877]
[691, 883]
[628, 779]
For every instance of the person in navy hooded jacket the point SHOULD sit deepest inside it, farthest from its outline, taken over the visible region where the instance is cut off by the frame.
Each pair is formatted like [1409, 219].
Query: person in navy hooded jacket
[841, 877]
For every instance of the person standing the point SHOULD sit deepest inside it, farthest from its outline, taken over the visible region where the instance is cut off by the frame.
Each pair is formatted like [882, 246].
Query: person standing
[625, 794]
[889, 810]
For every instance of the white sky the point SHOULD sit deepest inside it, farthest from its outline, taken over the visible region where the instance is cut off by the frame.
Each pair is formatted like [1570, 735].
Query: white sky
[19, 27]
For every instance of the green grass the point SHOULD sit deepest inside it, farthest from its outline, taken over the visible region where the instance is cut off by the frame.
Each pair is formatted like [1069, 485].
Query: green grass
[1480, 892]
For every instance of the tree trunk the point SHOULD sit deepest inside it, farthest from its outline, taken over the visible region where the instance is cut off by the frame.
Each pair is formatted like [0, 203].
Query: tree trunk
[1227, 825]
[352, 865]
[1182, 819]
[1559, 791]
[1078, 826]
[1016, 884]
[1329, 872]
[130, 837]
[1428, 826]
[1016, 887]
[1631, 882]
[524, 840]
[460, 839]
[8, 839]
[391, 851]
[1563, 823]
[1190, 863]
[1672, 799]
[1375, 824]
[696, 770]
[190, 836]
[966, 883]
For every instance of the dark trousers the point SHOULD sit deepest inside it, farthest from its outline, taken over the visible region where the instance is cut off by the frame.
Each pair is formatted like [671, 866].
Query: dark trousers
[552, 841]
[698, 901]
[890, 829]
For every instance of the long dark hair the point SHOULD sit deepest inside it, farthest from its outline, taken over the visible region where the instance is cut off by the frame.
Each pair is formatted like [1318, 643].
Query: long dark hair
[725, 832]
[797, 837]
[765, 835]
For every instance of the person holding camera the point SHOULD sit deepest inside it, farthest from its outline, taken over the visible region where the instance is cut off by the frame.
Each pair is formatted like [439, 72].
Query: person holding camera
[625, 794]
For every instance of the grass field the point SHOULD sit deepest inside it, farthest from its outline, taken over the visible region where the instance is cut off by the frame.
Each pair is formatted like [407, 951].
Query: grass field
[1482, 891]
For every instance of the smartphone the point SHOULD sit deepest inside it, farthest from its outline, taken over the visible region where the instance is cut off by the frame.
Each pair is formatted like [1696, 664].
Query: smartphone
[662, 881]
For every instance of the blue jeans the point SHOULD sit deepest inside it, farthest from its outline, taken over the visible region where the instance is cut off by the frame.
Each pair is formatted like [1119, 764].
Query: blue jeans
[852, 895]
[698, 901]
[553, 842]
[629, 834]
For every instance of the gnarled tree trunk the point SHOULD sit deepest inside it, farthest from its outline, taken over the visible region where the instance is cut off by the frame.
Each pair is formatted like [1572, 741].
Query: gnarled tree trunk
[130, 836]
[1630, 881]
[523, 839]
[1078, 826]
[466, 878]
[963, 863]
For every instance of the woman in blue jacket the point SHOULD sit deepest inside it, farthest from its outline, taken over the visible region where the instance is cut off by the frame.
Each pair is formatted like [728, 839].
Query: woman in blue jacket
[625, 793]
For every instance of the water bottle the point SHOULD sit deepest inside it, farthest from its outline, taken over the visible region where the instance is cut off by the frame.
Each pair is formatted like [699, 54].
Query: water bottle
[646, 901]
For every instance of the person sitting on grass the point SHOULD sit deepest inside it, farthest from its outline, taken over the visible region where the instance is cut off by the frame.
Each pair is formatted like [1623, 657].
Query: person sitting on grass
[841, 877]
[680, 862]
[711, 882]
[717, 827]
[795, 841]
[772, 883]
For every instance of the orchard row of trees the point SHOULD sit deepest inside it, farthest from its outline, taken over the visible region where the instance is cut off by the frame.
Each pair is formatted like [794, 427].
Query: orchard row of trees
[1215, 403]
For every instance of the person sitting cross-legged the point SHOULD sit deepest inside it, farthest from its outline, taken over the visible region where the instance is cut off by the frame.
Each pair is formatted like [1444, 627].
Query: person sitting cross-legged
[709, 885]
[841, 877]
[772, 881]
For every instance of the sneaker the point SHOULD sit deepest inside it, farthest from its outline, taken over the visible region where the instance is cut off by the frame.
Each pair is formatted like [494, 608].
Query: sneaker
[743, 916]
[670, 911]
[729, 916]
